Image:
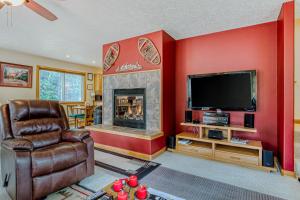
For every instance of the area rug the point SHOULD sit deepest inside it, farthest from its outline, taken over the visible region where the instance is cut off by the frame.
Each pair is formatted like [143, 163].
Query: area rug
[123, 164]
[193, 187]
[73, 192]
[167, 181]
[87, 186]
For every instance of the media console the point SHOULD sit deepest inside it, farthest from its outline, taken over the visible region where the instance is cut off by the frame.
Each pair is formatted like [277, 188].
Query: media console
[248, 155]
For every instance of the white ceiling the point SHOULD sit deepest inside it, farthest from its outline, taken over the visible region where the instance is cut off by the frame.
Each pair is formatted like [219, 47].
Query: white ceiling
[85, 25]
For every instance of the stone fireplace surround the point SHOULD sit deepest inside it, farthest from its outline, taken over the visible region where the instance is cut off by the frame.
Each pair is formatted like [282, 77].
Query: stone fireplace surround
[150, 80]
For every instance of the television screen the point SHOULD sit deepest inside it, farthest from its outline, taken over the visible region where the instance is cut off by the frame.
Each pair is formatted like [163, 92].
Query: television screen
[226, 91]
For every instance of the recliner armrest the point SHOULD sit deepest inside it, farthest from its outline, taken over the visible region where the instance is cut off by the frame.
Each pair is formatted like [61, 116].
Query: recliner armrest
[17, 144]
[75, 135]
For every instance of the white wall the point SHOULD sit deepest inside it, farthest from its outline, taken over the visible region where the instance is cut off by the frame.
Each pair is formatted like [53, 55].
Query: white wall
[297, 68]
[7, 93]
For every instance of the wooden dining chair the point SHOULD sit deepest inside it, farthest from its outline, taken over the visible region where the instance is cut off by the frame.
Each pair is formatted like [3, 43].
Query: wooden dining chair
[75, 115]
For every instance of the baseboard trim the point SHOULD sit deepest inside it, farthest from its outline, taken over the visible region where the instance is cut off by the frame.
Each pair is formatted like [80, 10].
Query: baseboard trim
[129, 152]
[288, 173]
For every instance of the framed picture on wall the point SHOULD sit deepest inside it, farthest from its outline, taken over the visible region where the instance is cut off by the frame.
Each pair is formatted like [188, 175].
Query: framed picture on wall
[15, 75]
[90, 86]
[90, 76]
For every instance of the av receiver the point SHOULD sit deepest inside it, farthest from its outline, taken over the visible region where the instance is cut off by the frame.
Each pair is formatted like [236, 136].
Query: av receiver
[216, 118]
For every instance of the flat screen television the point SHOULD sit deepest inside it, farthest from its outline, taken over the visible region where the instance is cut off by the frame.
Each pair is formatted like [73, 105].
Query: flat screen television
[229, 91]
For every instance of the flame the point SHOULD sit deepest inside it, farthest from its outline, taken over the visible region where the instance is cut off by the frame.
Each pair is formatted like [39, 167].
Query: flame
[129, 110]
[139, 109]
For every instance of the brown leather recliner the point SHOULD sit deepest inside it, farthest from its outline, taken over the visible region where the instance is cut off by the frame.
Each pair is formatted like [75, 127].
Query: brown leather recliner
[39, 152]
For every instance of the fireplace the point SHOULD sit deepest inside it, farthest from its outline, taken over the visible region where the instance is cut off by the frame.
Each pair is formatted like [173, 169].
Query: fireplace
[129, 108]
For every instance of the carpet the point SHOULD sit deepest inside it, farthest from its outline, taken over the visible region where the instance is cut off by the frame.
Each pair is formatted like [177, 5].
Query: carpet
[197, 188]
[161, 179]
[167, 181]
[122, 164]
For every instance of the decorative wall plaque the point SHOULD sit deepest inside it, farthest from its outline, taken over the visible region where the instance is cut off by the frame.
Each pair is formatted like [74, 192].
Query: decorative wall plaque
[129, 67]
[111, 56]
[148, 51]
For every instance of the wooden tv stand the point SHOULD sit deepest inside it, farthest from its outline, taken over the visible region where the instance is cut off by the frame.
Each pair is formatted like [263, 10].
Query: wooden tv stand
[248, 155]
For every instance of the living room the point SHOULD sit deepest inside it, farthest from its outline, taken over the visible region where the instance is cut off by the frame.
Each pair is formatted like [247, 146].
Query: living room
[149, 99]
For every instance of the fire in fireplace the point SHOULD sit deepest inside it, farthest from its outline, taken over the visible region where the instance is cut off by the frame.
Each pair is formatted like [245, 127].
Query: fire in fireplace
[129, 108]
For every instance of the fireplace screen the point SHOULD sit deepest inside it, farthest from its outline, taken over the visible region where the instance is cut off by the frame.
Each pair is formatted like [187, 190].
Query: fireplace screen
[129, 108]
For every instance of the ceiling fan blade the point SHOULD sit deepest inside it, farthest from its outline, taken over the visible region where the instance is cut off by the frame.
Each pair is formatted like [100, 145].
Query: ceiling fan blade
[37, 8]
[1, 5]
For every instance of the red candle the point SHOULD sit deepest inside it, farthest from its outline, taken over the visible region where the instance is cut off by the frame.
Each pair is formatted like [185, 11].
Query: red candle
[122, 195]
[117, 186]
[141, 192]
[133, 181]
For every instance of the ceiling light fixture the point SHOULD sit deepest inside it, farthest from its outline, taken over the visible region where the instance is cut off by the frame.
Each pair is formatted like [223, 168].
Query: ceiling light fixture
[12, 2]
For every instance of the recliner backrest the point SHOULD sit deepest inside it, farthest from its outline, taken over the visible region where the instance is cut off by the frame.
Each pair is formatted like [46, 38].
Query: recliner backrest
[39, 121]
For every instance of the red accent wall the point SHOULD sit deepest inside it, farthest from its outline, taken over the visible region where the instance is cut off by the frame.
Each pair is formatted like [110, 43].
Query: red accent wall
[249, 48]
[168, 88]
[267, 48]
[285, 84]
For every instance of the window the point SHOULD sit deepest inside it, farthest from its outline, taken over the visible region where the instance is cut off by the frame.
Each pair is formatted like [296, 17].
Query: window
[61, 85]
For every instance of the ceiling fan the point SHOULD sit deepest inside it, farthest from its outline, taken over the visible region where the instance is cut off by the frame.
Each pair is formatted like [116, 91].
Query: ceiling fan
[31, 4]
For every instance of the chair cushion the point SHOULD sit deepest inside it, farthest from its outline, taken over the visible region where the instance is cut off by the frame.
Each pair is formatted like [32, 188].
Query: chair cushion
[57, 157]
[39, 121]
[22, 110]
[43, 139]
[75, 135]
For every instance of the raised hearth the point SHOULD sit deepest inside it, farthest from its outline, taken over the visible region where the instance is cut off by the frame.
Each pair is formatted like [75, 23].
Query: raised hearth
[138, 143]
[125, 131]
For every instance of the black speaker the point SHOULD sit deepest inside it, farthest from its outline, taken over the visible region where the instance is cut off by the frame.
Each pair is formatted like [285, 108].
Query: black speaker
[268, 158]
[249, 120]
[188, 116]
[171, 142]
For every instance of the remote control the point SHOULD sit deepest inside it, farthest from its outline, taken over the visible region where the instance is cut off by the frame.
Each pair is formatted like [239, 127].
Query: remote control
[96, 195]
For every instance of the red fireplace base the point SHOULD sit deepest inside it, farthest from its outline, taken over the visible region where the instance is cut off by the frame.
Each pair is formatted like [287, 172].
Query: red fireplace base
[139, 145]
